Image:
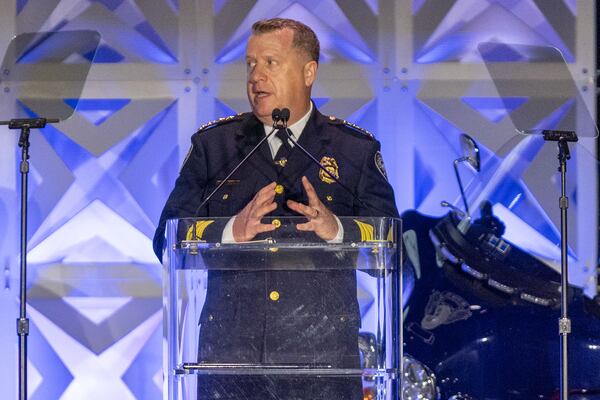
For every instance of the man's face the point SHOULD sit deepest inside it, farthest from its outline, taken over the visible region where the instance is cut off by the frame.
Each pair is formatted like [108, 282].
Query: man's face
[278, 75]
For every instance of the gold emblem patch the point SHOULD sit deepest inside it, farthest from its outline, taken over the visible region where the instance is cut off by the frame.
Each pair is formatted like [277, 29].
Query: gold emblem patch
[330, 165]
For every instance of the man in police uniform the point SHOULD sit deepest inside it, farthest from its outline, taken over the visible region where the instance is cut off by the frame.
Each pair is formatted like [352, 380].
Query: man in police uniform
[262, 317]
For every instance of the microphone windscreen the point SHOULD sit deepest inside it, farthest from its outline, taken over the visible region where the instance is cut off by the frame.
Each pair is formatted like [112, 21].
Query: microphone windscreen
[285, 114]
[276, 114]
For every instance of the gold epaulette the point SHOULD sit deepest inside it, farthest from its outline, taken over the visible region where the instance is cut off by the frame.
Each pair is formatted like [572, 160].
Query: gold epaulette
[220, 121]
[337, 121]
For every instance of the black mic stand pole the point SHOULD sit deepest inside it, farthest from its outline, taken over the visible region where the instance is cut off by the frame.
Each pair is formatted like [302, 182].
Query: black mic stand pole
[564, 323]
[25, 125]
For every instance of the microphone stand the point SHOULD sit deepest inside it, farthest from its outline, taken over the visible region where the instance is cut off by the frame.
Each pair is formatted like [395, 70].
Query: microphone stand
[25, 125]
[564, 323]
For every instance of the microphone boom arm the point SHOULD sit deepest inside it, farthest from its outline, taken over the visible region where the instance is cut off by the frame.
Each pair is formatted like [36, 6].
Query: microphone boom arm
[229, 175]
[307, 153]
[276, 116]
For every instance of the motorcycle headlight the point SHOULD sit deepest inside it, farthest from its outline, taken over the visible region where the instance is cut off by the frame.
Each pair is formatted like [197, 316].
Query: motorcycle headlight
[418, 381]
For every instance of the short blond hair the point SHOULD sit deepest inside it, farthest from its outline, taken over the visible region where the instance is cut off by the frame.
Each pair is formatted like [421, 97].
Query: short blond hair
[305, 38]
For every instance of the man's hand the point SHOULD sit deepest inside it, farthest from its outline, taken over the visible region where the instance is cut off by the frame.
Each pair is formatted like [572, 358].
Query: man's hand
[320, 219]
[247, 223]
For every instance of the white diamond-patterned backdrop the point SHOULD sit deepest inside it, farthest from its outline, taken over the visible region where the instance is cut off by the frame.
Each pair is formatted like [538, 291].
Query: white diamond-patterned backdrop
[406, 70]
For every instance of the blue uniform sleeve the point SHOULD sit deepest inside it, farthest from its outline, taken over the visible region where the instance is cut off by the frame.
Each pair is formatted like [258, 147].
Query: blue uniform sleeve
[187, 195]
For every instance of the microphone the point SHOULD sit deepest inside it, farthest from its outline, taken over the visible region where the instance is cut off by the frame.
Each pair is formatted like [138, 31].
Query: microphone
[285, 116]
[276, 116]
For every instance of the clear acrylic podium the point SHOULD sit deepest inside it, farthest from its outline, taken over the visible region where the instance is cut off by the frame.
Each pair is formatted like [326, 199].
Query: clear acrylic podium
[287, 315]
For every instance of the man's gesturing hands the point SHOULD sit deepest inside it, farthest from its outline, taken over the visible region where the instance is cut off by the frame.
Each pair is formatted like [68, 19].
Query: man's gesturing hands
[320, 219]
[247, 223]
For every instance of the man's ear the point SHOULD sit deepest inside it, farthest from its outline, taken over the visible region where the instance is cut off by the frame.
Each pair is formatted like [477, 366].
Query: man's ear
[310, 73]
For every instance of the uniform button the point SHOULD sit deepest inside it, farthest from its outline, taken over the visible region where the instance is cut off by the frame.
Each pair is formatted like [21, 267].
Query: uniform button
[279, 189]
[276, 223]
[210, 317]
[274, 295]
[329, 197]
[225, 196]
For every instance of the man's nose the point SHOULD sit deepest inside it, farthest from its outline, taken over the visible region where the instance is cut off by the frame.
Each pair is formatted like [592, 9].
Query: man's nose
[256, 74]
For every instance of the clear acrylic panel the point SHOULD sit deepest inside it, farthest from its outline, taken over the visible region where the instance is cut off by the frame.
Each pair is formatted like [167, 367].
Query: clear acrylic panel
[509, 66]
[43, 73]
[288, 313]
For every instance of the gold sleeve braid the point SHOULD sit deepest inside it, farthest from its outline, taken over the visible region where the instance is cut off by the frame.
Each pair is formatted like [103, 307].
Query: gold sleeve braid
[200, 228]
[367, 232]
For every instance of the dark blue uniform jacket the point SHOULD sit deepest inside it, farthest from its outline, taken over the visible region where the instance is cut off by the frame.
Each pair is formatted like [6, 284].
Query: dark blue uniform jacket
[315, 320]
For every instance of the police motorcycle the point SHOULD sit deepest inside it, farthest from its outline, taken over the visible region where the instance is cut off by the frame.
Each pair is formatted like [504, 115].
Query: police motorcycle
[480, 321]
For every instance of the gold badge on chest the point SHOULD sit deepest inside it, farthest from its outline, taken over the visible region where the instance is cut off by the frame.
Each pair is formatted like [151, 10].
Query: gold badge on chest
[330, 165]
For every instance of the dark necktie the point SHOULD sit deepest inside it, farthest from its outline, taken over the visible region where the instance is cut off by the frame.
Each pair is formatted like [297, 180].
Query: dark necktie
[284, 150]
